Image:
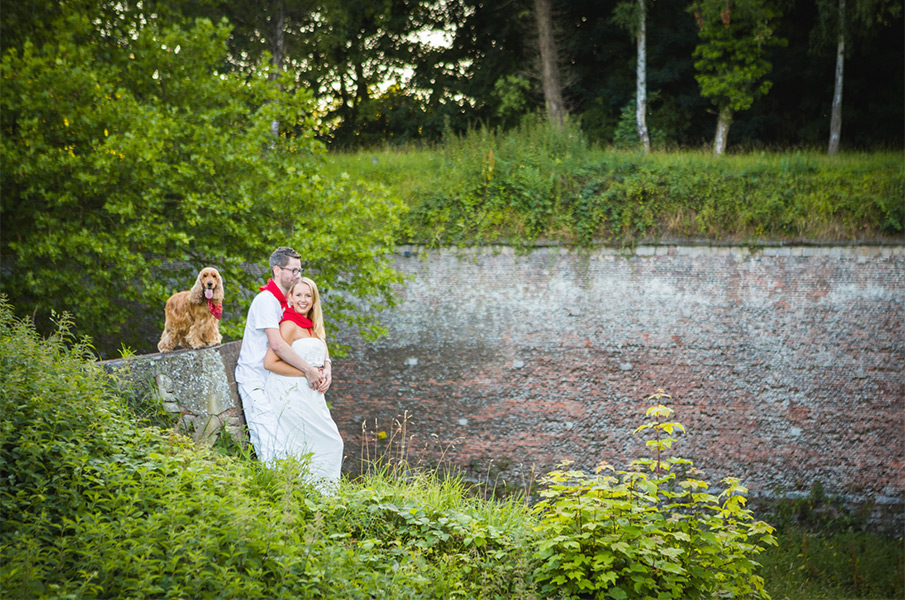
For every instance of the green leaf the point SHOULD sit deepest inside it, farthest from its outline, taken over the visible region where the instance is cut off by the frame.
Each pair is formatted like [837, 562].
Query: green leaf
[617, 593]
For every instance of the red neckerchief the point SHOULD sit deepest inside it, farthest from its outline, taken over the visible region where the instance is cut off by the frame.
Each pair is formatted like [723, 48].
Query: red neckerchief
[274, 289]
[298, 319]
[216, 309]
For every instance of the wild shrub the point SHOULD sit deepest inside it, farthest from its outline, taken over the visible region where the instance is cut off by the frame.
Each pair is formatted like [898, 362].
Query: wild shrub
[93, 507]
[435, 518]
[652, 531]
[49, 399]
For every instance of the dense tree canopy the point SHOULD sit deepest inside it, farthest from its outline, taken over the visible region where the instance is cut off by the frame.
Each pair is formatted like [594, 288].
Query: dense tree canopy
[402, 70]
[131, 160]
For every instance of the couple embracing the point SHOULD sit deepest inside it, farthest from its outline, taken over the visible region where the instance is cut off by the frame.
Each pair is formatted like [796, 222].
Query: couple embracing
[283, 371]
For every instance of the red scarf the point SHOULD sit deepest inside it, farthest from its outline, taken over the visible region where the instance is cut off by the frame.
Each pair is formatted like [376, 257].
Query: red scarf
[274, 289]
[216, 309]
[298, 319]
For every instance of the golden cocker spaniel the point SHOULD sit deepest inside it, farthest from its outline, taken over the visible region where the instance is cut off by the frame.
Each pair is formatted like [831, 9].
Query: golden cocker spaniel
[193, 316]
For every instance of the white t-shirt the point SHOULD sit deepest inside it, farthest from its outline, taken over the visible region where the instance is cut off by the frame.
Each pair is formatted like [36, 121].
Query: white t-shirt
[265, 313]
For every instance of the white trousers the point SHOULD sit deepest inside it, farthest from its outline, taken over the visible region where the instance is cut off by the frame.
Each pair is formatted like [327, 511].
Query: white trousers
[261, 420]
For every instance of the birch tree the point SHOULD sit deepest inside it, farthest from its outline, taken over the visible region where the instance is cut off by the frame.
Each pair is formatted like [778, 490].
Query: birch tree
[836, 115]
[840, 20]
[632, 16]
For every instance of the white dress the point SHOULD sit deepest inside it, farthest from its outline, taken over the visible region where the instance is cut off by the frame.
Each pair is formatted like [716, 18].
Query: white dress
[303, 423]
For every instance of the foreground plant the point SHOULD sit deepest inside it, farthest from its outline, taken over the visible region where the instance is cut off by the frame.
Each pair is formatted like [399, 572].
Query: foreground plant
[95, 505]
[652, 531]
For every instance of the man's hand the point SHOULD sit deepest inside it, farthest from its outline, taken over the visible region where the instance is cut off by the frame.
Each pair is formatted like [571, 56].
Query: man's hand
[326, 378]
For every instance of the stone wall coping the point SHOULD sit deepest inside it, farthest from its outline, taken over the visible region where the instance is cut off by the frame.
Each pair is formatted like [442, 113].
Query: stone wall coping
[197, 386]
[853, 249]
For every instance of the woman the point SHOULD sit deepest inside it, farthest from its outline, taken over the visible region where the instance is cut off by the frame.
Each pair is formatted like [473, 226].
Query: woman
[304, 425]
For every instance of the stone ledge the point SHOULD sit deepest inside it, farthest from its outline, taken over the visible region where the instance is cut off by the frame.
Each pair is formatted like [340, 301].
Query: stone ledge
[197, 385]
[856, 250]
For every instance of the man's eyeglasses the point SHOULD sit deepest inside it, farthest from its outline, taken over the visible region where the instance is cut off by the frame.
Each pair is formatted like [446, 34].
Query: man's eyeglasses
[295, 272]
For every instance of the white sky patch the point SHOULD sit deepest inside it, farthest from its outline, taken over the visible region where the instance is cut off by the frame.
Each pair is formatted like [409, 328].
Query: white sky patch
[434, 38]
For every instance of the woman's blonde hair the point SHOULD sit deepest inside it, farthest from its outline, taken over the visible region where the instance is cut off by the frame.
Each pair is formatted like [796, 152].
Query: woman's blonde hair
[315, 313]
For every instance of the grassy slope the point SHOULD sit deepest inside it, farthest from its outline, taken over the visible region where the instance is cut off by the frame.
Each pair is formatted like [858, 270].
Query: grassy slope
[534, 185]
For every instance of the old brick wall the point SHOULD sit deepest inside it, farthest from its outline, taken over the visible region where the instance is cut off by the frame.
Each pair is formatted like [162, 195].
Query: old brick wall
[784, 363]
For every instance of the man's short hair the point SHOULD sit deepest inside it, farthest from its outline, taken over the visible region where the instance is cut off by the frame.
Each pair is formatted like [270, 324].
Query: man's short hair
[281, 256]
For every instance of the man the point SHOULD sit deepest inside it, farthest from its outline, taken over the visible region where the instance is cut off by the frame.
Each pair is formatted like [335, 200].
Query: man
[262, 330]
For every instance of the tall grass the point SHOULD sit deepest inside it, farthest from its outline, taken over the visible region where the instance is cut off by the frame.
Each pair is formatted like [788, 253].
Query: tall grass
[827, 551]
[834, 565]
[539, 183]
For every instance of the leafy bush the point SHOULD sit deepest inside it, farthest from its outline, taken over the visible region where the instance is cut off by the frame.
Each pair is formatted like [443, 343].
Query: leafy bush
[436, 519]
[653, 531]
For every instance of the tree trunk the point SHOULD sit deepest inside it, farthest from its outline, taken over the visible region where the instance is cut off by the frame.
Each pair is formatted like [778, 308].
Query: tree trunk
[836, 119]
[277, 49]
[641, 91]
[361, 85]
[543, 14]
[722, 131]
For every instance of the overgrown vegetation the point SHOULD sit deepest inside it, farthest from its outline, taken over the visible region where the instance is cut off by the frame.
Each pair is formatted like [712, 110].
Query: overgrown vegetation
[834, 565]
[537, 183]
[93, 504]
[826, 550]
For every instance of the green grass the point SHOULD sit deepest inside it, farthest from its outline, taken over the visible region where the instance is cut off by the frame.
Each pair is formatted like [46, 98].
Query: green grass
[827, 551]
[834, 566]
[534, 183]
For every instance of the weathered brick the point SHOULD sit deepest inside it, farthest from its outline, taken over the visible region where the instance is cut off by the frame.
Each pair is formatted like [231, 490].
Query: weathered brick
[785, 366]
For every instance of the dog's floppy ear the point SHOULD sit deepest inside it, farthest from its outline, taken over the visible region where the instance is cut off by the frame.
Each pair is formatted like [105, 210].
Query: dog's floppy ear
[218, 291]
[196, 294]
